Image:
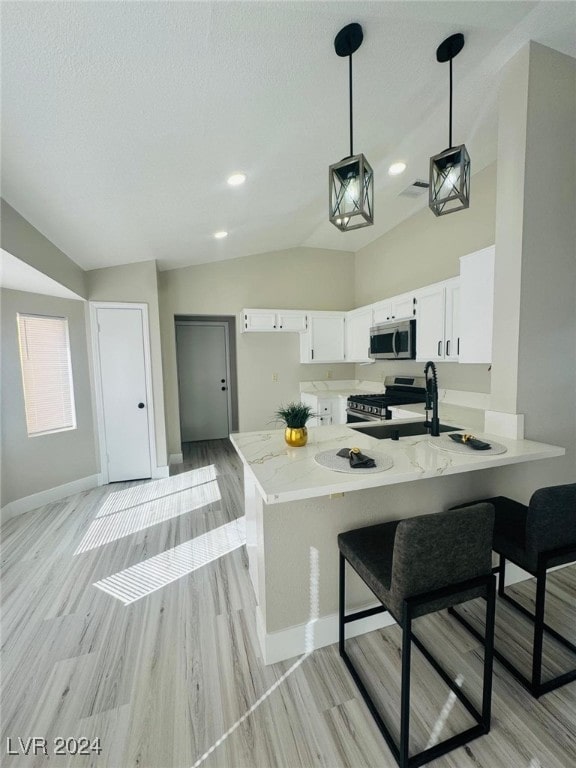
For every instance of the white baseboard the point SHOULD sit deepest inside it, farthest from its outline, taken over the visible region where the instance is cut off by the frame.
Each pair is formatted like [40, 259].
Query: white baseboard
[175, 458]
[160, 472]
[290, 642]
[35, 500]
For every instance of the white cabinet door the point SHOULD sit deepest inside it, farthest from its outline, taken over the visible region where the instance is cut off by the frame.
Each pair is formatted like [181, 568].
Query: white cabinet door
[403, 306]
[339, 415]
[258, 320]
[322, 407]
[358, 324]
[323, 342]
[431, 302]
[311, 401]
[325, 412]
[476, 306]
[291, 320]
[276, 320]
[382, 311]
[396, 308]
[452, 322]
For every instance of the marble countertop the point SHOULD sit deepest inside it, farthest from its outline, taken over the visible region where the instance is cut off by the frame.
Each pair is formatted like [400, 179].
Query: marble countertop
[282, 473]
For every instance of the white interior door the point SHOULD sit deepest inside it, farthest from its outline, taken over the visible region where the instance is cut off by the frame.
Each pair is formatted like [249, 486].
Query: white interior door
[203, 380]
[125, 407]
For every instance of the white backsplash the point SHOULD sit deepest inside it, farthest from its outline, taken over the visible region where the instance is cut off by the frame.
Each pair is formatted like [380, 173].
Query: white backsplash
[331, 385]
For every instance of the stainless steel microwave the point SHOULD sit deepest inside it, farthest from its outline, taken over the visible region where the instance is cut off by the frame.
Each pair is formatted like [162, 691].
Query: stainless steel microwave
[395, 340]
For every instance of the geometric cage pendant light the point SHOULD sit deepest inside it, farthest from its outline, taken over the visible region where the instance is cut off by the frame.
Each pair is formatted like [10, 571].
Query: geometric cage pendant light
[352, 179]
[449, 189]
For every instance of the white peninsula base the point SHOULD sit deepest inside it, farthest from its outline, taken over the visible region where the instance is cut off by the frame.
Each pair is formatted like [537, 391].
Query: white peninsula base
[295, 508]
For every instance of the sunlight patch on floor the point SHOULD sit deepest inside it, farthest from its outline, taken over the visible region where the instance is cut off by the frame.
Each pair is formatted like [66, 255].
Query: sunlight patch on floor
[146, 577]
[155, 489]
[115, 526]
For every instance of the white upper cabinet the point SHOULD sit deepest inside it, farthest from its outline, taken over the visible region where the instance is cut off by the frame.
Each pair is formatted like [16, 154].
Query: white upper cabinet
[396, 308]
[324, 341]
[452, 320]
[431, 304]
[476, 306]
[358, 324]
[287, 320]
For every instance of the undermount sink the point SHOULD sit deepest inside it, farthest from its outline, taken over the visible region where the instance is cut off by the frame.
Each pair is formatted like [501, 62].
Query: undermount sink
[395, 431]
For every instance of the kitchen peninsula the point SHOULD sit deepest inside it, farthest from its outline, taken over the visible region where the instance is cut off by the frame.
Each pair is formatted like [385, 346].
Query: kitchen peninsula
[293, 505]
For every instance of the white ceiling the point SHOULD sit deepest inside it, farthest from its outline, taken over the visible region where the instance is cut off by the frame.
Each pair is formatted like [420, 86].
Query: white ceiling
[121, 121]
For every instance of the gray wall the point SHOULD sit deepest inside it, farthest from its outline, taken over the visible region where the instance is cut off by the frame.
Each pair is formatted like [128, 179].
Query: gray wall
[34, 464]
[138, 283]
[22, 240]
[301, 278]
[534, 364]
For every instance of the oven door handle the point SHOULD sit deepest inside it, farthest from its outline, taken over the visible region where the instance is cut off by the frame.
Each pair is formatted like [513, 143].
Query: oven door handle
[364, 416]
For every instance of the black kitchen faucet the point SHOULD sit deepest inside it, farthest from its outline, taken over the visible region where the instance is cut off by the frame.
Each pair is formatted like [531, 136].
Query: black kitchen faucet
[432, 398]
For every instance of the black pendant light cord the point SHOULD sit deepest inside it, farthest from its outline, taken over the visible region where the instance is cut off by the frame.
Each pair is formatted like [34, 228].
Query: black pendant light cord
[350, 89]
[450, 114]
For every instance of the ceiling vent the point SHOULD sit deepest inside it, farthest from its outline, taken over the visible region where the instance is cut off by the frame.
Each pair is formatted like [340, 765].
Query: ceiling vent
[415, 189]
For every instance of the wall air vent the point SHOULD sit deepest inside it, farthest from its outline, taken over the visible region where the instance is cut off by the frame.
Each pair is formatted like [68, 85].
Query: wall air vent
[415, 189]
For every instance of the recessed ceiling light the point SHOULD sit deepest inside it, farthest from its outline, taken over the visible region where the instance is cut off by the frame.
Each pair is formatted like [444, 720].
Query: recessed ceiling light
[236, 179]
[396, 169]
[220, 235]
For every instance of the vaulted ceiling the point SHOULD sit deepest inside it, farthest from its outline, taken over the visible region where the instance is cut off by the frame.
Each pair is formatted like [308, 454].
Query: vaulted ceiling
[121, 121]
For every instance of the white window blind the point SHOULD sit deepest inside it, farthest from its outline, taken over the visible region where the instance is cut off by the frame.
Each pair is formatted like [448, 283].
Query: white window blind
[46, 374]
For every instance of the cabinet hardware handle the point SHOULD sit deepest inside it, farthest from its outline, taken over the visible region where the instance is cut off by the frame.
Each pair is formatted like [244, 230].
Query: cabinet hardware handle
[274, 326]
[458, 346]
[222, 381]
[439, 347]
[223, 389]
[312, 354]
[140, 405]
[448, 349]
[281, 326]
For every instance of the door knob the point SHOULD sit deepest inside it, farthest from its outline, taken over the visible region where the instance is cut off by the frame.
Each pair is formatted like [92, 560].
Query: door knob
[223, 381]
[223, 389]
[140, 405]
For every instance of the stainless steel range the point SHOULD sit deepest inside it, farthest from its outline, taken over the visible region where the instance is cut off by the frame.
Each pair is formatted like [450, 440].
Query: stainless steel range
[400, 390]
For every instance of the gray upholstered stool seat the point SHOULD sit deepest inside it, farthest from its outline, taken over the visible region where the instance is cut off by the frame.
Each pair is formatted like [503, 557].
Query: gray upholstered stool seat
[535, 537]
[415, 567]
[429, 552]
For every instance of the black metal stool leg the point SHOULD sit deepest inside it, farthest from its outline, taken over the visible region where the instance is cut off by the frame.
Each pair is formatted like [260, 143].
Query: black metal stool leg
[502, 576]
[488, 653]
[405, 693]
[538, 629]
[341, 603]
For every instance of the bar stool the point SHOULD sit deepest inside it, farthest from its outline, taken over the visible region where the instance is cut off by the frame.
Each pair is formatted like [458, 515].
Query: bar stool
[536, 537]
[416, 567]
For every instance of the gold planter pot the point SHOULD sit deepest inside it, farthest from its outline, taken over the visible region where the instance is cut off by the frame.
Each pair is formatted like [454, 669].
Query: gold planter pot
[296, 437]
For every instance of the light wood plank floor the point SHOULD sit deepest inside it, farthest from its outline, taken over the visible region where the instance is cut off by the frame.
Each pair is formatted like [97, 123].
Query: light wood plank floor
[161, 660]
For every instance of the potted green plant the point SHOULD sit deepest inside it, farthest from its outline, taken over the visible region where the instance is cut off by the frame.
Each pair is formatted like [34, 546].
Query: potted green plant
[295, 416]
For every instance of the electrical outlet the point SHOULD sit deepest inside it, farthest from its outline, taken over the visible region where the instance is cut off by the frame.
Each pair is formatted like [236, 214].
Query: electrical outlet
[275, 377]
[328, 374]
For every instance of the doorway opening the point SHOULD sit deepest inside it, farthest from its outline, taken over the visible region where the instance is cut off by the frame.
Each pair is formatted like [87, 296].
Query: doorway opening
[207, 379]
